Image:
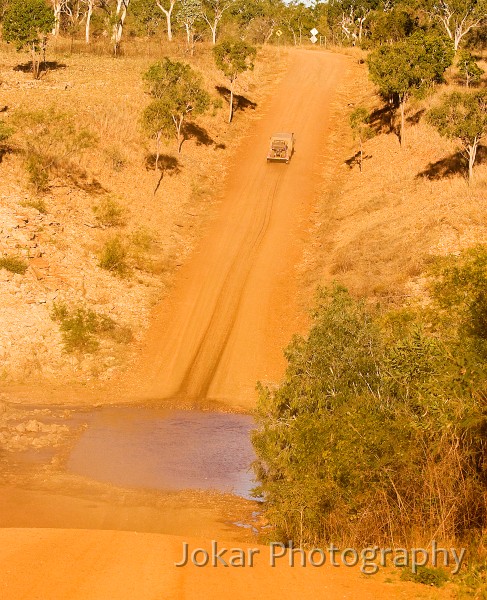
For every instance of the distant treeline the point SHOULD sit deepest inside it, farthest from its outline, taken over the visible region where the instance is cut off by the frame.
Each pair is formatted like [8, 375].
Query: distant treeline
[367, 23]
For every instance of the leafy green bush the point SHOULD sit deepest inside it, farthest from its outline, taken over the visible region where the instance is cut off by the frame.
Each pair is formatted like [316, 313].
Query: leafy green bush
[80, 327]
[469, 68]
[38, 204]
[113, 256]
[473, 582]
[109, 212]
[426, 576]
[379, 427]
[14, 264]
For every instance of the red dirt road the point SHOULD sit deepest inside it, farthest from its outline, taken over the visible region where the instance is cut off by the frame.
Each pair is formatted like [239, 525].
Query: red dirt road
[106, 565]
[234, 307]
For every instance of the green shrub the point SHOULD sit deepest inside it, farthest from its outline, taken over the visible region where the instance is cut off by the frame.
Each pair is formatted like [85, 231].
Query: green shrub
[14, 264]
[426, 576]
[37, 167]
[383, 409]
[142, 239]
[473, 581]
[78, 328]
[469, 68]
[116, 158]
[109, 212]
[113, 256]
[38, 204]
[81, 327]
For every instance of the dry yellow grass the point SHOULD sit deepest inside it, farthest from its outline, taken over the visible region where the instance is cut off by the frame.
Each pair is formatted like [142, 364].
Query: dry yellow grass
[375, 230]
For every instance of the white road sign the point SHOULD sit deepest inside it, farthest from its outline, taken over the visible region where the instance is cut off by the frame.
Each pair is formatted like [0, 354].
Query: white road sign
[313, 39]
[314, 32]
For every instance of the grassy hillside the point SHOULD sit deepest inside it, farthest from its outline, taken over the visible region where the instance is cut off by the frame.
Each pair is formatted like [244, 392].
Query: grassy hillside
[67, 207]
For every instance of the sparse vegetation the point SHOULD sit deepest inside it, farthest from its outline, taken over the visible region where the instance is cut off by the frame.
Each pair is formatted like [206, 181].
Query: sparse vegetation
[427, 576]
[5, 133]
[38, 203]
[50, 141]
[82, 328]
[113, 256]
[109, 212]
[359, 122]
[116, 158]
[14, 264]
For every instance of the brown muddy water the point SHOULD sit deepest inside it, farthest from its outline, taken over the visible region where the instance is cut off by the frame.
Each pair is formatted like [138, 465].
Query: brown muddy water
[166, 450]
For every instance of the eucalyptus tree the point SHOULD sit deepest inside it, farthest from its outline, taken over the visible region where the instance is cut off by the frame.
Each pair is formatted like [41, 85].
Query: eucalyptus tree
[27, 24]
[456, 17]
[234, 57]
[409, 67]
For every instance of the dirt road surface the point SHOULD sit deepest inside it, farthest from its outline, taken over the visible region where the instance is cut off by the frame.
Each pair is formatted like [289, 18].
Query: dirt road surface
[234, 307]
[105, 565]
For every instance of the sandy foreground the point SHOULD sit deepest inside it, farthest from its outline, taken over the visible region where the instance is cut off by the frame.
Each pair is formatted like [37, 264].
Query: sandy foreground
[98, 565]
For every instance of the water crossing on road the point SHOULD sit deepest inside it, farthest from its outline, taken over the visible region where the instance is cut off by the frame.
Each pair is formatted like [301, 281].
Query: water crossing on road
[167, 450]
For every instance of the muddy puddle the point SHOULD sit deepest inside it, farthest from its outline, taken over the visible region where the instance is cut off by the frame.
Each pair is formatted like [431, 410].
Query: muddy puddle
[166, 450]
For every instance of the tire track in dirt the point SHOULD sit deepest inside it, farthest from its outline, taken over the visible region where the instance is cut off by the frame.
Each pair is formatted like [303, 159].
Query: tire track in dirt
[202, 369]
[234, 306]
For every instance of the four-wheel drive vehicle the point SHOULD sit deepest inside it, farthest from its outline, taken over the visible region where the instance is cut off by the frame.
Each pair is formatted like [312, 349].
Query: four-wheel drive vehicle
[281, 147]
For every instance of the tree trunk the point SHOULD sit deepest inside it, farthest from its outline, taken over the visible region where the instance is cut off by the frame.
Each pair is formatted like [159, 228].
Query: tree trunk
[169, 25]
[180, 137]
[168, 13]
[122, 6]
[88, 22]
[361, 155]
[57, 17]
[213, 34]
[230, 115]
[456, 41]
[158, 150]
[35, 62]
[402, 107]
[472, 154]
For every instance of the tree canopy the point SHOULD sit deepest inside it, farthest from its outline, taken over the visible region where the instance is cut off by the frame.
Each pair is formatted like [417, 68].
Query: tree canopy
[410, 67]
[462, 117]
[26, 24]
[233, 57]
[178, 92]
